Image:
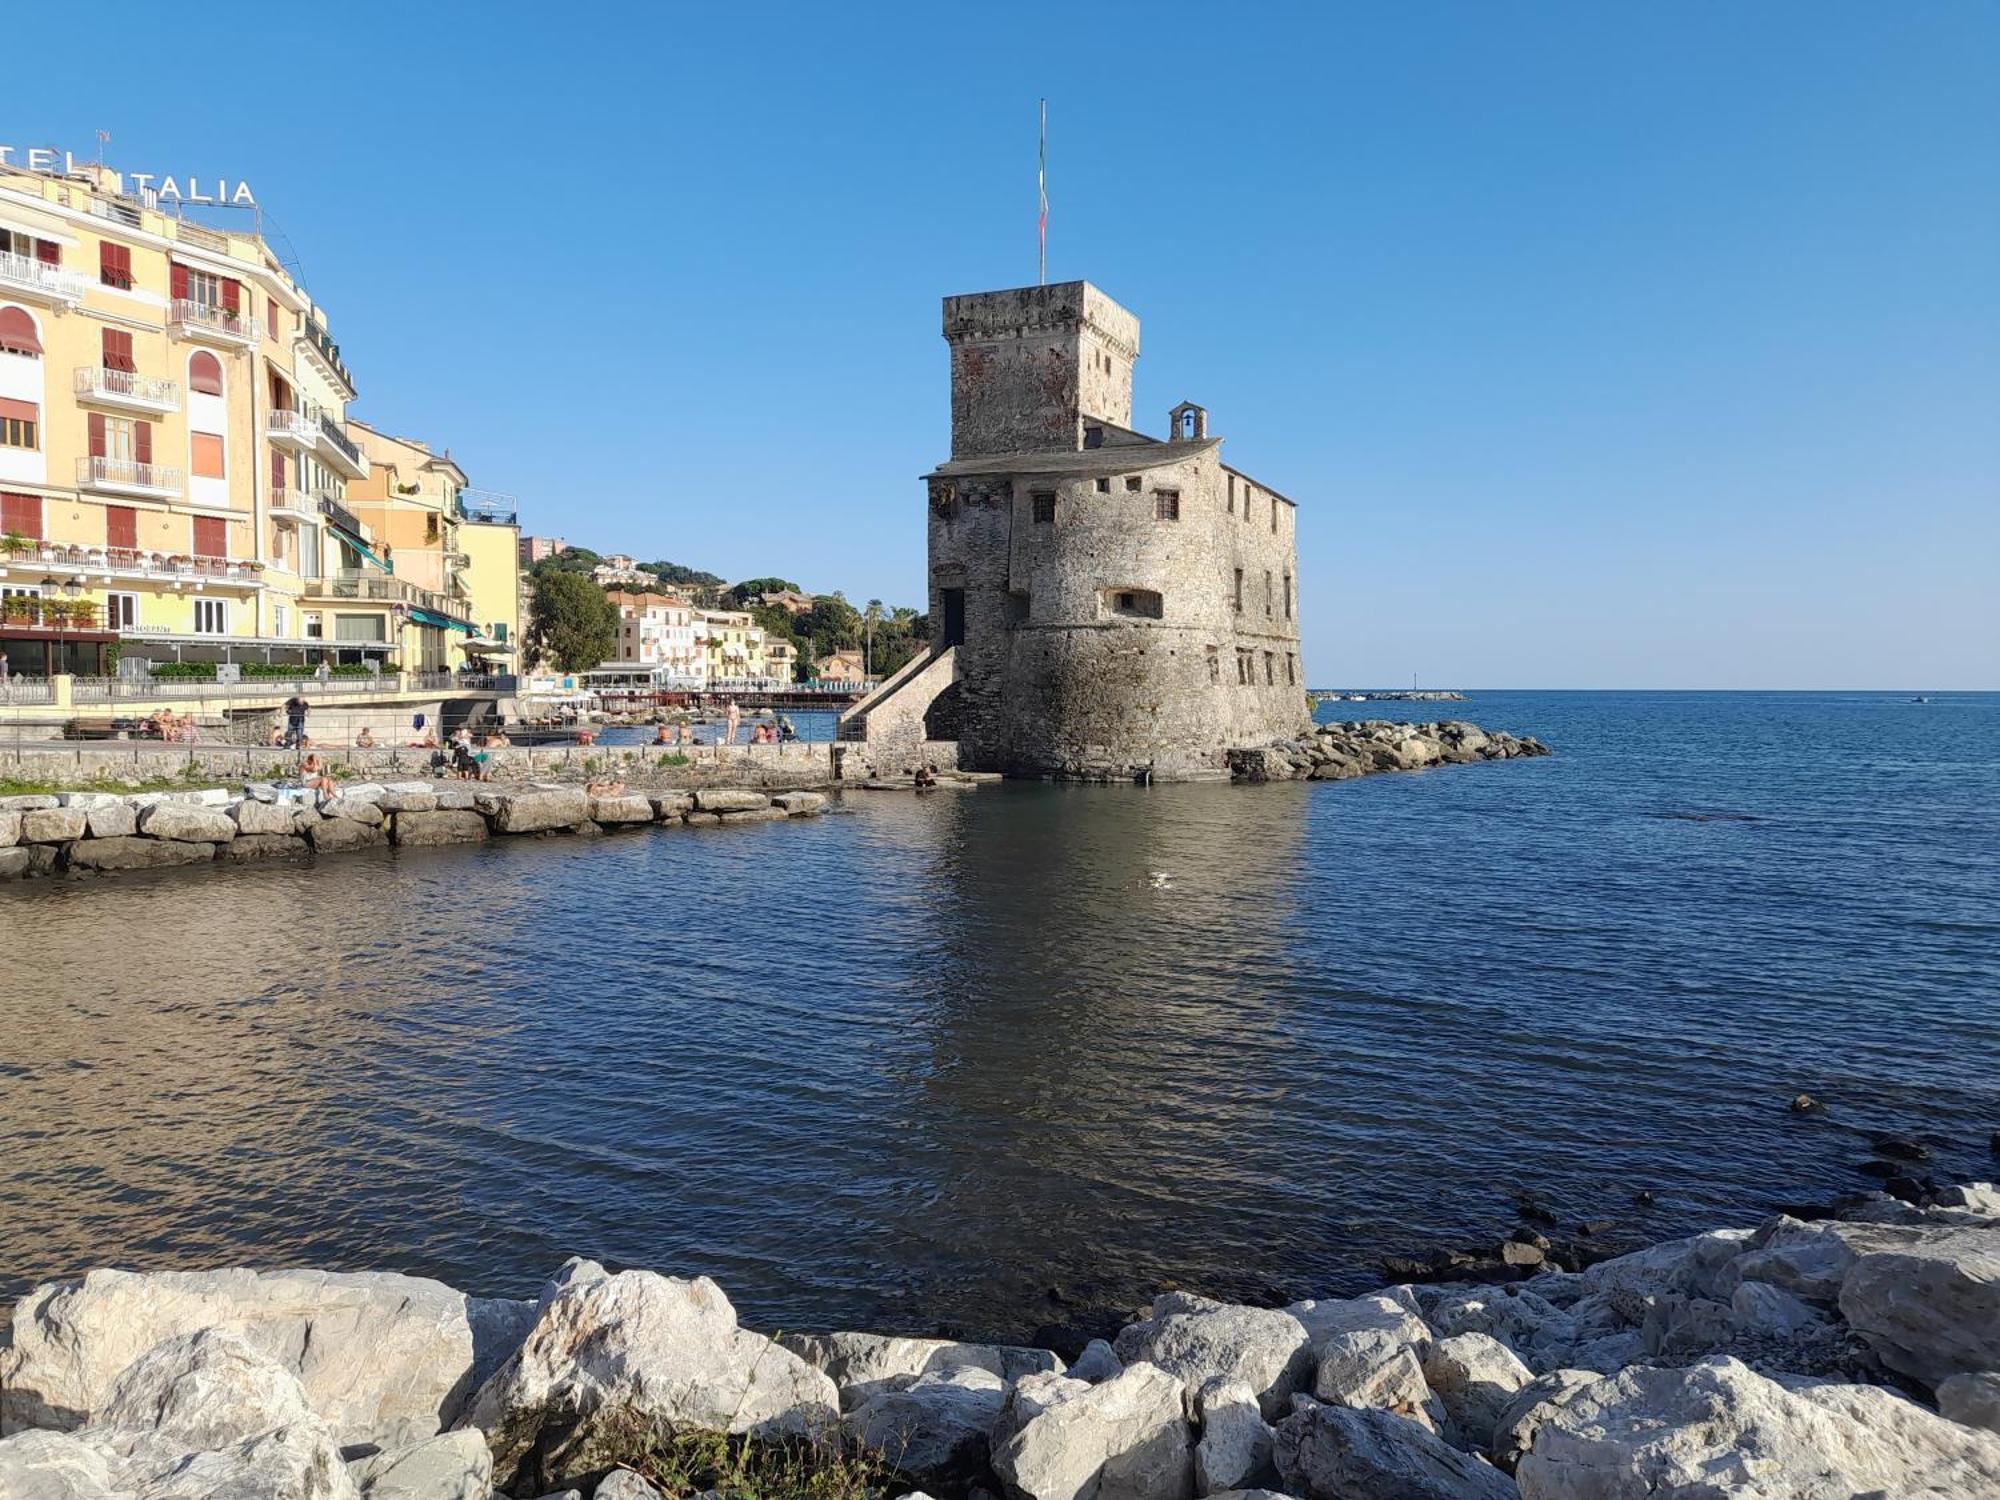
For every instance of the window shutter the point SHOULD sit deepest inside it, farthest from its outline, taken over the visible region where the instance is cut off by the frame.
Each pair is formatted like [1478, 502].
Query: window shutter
[211, 536]
[179, 279]
[205, 374]
[48, 252]
[114, 264]
[142, 442]
[271, 315]
[232, 296]
[22, 513]
[118, 351]
[121, 526]
[277, 471]
[97, 434]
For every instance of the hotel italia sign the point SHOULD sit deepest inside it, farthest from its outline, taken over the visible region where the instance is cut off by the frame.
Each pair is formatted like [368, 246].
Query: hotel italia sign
[189, 189]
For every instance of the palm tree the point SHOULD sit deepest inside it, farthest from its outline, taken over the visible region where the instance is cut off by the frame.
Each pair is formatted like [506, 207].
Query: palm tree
[871, 616]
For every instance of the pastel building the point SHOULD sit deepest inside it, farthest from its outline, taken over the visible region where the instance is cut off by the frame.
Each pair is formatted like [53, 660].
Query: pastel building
[657, 631]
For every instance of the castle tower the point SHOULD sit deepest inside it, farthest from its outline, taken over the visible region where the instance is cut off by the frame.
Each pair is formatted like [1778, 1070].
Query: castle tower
[1033, 367]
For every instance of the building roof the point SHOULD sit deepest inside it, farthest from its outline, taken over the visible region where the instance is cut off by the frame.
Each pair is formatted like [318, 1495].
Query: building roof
[1088, 463]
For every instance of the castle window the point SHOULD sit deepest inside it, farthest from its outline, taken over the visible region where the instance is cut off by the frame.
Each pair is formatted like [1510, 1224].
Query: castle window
[1133, 482]
[1214, 666]
[1274, 515]
[1270, 669]
[1288, 596]
[1093, 437]
[1291, 670]
[1267, 593]
[1239, 591]
[1044, 502]
[1244, 668]
[1103, 486]
[1167, 505]
[1142, 604]
[1232, 494]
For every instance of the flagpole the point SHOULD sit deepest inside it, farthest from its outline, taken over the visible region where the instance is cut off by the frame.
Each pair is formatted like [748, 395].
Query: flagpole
[1042, 195]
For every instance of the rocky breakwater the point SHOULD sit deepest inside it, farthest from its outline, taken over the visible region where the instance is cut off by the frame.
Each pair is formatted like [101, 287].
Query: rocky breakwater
[1340, 752]
[92, 833]
[1794, 1360]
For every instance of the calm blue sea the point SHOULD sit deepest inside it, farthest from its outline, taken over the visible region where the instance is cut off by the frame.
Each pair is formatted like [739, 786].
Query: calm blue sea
[998, 1059]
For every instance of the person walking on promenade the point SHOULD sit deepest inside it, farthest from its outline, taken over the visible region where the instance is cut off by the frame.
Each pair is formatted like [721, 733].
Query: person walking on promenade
[734, 719]
[295, 721]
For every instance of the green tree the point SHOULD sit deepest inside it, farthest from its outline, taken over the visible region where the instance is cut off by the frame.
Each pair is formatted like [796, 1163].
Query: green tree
[750, 588]
[570, 622]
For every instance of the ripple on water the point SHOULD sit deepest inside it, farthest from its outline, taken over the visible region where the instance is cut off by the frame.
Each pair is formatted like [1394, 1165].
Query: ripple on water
[965, 1062]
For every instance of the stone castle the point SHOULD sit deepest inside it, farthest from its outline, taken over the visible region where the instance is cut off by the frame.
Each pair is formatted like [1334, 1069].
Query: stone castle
[1103, 604]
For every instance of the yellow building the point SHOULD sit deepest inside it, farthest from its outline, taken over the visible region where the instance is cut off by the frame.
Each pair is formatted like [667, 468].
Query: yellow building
[178, 476]
[173, 452]
[454, 553]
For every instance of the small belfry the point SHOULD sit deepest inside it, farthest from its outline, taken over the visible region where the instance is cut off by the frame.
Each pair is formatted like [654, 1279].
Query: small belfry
[1104, 604]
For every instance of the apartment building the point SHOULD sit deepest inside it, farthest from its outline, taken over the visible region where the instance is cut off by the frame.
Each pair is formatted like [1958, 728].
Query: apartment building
[658, 631]
[179, 479]
[453, 553]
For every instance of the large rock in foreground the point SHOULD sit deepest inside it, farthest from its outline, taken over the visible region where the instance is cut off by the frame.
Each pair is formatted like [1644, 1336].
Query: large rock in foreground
[1930, 1308]
[382, 1358]
[611, 1351]
[1719, 1431]
[1197, 1341]
[1359, 1453]
[1126, 1439]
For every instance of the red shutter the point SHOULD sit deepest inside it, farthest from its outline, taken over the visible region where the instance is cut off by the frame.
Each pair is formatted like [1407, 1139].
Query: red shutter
[22, 513]
[118, 351]
[121, 526]
[48, 252]
[97, 434]
[232, 296]
[277, 472]
[271, 315]
[114, 264]
[179, 279]
[211, 536]
[142, 442]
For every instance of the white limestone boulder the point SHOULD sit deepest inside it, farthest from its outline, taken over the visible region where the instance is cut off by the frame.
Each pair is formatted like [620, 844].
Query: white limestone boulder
[1688, 1266]
[1370, 1354]
[1541, 1398]
[608, 1350]
[185, 823]
[729, 799]
[623, 1484]
[264, 817]
[1197, 1340]
[537, 811]
[450, 1466]
[1099, 1361]
[1348, 1453]
[1234, 1450]
[1717, 1430]
[383, 1358]
[934, 1428]
[1929, 1307]
[862, 1363]
[629, 807]
[1127, 1439]
[1476, 1377]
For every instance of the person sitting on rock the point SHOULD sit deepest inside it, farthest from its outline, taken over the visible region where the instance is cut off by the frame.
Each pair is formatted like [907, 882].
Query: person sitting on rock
[314, 776]
[366, 739]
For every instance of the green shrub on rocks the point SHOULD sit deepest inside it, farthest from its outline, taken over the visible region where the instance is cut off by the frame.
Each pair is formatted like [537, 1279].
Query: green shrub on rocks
[689, 1463]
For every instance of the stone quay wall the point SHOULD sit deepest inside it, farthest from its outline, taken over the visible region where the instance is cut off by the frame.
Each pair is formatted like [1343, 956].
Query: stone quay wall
[1853, 1355]
[101, 832]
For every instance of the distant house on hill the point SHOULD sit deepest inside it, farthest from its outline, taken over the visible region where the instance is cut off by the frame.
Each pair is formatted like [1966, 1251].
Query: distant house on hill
[841, 666]
[788, 599]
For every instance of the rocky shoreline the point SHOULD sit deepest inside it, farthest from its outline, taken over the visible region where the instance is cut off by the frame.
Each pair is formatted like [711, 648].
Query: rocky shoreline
[1852, 1356]
[96, 833]
[1340, 752]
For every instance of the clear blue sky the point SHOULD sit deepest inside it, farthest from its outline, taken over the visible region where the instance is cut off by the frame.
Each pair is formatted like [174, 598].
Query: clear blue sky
[1602, 345]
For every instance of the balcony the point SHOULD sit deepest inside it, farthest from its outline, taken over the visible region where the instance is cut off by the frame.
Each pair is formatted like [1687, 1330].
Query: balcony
[24, 276]
[340, 451]
[103, 565]
[290, 504]
[315, 341]
[294, 431]
[486, 508]
[122, 476]
[349, 585]
[126, 391]
[189, 319]
[328, 503]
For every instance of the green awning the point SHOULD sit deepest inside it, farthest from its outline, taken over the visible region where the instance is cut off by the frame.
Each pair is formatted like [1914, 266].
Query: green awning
[432, 617]
[359, 546]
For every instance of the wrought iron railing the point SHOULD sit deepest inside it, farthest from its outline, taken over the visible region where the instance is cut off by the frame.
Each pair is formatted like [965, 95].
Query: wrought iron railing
[96, 381]
[29, 274]
[128, 472]
[203, 315]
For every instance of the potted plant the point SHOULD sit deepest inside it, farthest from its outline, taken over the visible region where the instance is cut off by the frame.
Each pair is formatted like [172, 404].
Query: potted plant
[13, 544]
[83, 614]
[55, 613]
[20, 609]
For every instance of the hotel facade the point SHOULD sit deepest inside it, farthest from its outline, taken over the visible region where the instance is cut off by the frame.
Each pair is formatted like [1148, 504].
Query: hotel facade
[179, 479]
